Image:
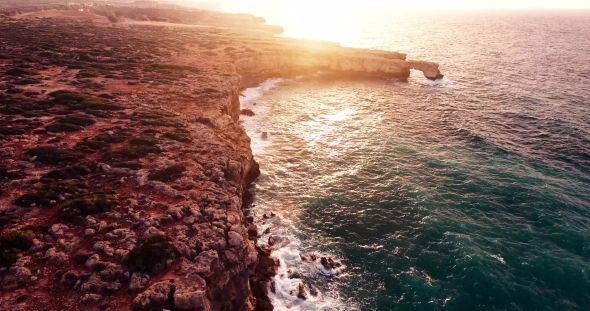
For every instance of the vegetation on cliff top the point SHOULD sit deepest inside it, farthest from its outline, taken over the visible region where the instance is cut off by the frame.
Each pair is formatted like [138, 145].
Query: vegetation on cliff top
[168, 174]
[151, 255]
[11, 244]
[86, 206]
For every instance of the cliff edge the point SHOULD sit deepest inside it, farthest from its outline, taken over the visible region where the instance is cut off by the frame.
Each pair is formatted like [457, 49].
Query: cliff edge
[123, 166]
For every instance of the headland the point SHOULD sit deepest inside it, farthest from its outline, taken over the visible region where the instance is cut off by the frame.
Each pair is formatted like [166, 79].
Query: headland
[124, 169]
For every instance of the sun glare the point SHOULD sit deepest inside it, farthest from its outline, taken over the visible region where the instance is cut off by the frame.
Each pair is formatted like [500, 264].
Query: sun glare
[320, 20]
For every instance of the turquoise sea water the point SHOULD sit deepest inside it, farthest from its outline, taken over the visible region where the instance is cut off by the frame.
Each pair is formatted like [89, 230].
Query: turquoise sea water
[471, 193]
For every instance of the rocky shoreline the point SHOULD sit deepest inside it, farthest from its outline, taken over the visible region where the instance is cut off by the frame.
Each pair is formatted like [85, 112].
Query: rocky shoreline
[124, 169]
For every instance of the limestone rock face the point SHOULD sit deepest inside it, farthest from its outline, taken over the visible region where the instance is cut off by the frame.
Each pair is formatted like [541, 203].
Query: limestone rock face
[156, 296]
[138, 281]
[191, 299]
[429, 69]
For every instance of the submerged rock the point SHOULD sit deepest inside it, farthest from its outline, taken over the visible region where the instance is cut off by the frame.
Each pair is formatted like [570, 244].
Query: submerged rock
[301, 293]
[329, 264]
[247, 112]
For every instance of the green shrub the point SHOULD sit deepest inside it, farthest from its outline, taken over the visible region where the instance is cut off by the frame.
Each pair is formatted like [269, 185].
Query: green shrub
[35, 114]
[99, 113]
[77, 101]
[62, 128]
[76, 120]
[65, 96]
[27, 81]
[90, 146]
[86, 206]
[107, 96]
[71, 172]
[117, 137]
[101, 141]
[150, 255]
[131, 152]
[52, 155]
[168, 174]
[20, 72]
[10, 175]
[11, 244]
[11, 131]
[14, 90]
[45, 195]
[85, 73]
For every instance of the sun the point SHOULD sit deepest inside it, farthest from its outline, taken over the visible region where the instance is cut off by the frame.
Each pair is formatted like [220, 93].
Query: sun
[321, 20]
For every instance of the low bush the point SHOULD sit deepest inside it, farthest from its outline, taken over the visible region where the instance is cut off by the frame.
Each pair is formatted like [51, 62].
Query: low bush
[85, 73]
[131, 152]
[77, 101]
[86, 206]
[141, 141]
[62, 128]
[101, 141]
[76, 120]
[10, 175]
[52, 155]
[27, 81]
[107, 96]
[151, 255]
[11, 244]
[168, 174]
[90, 146]
[45, 195]
[20, 72]
[65, 96]
[71, 172]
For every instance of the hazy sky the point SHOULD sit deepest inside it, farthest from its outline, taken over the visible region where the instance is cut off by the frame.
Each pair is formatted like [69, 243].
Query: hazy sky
[267, 5]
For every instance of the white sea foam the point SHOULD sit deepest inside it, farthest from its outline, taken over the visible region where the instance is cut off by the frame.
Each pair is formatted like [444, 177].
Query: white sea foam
[254, 125]
[417, 78]
[288, 248]
[440, 82]
[499, 258]
[252, 94]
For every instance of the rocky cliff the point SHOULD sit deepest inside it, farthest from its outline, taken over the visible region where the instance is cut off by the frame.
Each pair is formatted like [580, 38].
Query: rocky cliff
[291, 57]
[123, 166]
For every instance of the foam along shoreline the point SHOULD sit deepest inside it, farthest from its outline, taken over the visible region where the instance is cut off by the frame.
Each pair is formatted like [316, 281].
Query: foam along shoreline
[293, 287]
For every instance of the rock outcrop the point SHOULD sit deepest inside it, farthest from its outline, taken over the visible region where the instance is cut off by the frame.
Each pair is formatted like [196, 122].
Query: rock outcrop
[291, 58]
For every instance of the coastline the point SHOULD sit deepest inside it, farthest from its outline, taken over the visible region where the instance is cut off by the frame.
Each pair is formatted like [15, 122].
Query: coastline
[182, 106]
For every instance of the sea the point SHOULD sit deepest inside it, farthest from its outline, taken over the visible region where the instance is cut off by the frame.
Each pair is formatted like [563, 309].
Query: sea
[467, 193]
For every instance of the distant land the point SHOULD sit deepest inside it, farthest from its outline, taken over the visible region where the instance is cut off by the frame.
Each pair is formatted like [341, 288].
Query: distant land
[213, 6]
